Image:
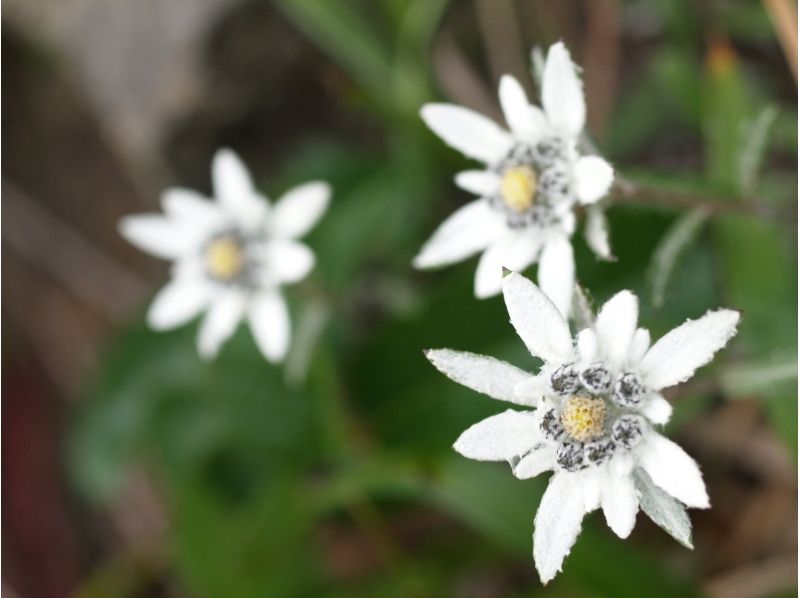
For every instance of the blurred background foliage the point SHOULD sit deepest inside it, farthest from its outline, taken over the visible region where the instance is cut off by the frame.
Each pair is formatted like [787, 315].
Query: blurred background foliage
[334, 476]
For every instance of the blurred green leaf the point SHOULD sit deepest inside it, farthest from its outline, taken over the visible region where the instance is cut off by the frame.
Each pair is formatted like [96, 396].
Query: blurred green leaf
[776, 375]
[756, 143]
[672, 245]
[344, 34]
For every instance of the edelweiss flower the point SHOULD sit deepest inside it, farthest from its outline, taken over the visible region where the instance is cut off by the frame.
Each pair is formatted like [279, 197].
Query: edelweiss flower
[230, 255]
[534, 177]
[598, 402]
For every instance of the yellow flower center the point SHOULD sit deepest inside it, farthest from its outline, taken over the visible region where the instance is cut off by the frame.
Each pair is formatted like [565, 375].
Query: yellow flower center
[225, 258]
[583, 418]
[518, 187]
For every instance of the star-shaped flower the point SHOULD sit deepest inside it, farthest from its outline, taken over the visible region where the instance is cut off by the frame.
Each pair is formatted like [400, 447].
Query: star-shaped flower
[598, 404]
[533, 179]
[230, 255]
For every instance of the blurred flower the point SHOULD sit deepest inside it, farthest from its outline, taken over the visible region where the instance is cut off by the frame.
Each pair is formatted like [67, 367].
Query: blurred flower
[534, 177]
[597, 401]
[230, 256]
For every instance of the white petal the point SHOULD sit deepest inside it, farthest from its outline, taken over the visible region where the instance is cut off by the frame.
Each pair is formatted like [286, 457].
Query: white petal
[525, 121]
[220, 322]
[557, 524]
[677, 354]
[499, 437]
[657, 409]
[287, 262]
[298, 210]
[537, 321]
[596, 233]
[191, 208]
[235, 191]
[557, 272]
[479, 182]
[532, 390]
[269, 323]
[673, 470]
[158, 236]
[562, 92]
[471, 133]
[539, 460]
[620, 503]
[616, 323]
[590, 480]
[515, 251]
[587, 345]
[640, 343]
[468, 230]
[486, 375]
[593, 178]
[177, 303]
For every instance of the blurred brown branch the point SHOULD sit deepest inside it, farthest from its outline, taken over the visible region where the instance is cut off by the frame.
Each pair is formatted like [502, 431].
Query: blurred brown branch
[760, 579]
[783, 15]
[625, 191]
[52, 246]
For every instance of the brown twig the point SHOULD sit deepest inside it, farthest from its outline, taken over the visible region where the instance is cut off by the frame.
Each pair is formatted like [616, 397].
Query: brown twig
[625, 191]
[52, 246]
[784, 19]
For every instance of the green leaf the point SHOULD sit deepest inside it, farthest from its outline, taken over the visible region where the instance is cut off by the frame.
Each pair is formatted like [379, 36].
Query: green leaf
[775, 375]
[754, 147]
[683, 232]
[668, 513]
[347, 36]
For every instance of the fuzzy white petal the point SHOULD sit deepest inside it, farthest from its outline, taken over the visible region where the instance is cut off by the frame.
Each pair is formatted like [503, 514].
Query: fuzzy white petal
[287, 261]
[640, 343]
[177, 303]
[620, 503]
[587, 345]
[525, 121]
[557, 524]
[223, 316]
[537, 320]
[471, 133]
[515, 251]
[615, 326]
[591, 480]
[532, 390]
[593, 178]
[189, 207]
[562, 92]
[234, 189]
[657, 409]
[672, 470]
[499, 437]
[268, 317]
[486, 375]
[539, 460]
[158, 236]
[299, 209]
[557, 272]
[480, 182]
[677, 354]
[596, 233]
[470, 229]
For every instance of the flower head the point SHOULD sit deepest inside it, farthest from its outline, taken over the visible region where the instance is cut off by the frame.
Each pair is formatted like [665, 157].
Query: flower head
[596, 406]
[230, 255]
[533, 178]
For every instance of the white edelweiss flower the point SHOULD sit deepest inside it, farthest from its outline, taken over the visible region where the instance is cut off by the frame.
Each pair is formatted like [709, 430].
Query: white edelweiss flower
[230, 256]
[534, 177]
[597, 404]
